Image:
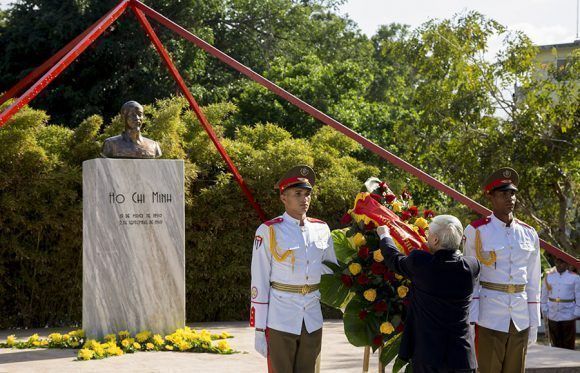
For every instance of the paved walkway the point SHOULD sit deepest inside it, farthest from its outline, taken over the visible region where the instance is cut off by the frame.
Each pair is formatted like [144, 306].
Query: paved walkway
[337, 356]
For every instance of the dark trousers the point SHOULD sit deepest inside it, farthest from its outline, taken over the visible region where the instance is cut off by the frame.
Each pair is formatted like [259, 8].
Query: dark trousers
[424, 368]
[291, 353]
[563, 333]
[500, 352]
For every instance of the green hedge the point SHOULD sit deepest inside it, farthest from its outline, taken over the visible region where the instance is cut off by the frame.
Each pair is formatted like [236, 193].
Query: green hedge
[41, 204]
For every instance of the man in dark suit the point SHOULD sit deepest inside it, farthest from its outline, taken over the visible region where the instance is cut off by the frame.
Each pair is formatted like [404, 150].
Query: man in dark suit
[436, 336]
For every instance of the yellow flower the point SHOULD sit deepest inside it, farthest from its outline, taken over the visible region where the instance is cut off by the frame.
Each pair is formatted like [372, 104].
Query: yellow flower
[11, 340]
[387, 328]
[65, 337]
[136, 346]
[44, 343]
[85, 354]
[378, 256]
[55, 337]
[421, 223]
[125, 343]
[77, 333]
[124, 334]
[397, 206]
[169, 347]
[402, 291]
[223, 346]
[111, 338]
[359, 239]
[114, 351]
[183, 346]
[398, 276]
[158, 340]
[90, 344]
[33, 338]
[74, 344]
[36, 343]
[354, 268]
[149, 346]
[225, 335]
[370, 295]
[99, 350]
[143, 336]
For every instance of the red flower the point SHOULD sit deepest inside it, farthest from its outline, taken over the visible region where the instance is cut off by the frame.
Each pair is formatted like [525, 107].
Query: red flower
[346, 219]
[383, 185]
[405, 215]
[380, 306]
[363, 279]
[363, 314]
[346, 280]
[428, 214]
[406, 195]
[400, 328]
[390, 197]
[378, 340]
[376, 197]
[370, 226]
[389, 276]
[363, 252]
[414, 210]
[378, 268]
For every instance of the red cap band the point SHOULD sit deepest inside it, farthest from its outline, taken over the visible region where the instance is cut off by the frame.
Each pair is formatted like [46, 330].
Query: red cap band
[496, 183]
[291, 181]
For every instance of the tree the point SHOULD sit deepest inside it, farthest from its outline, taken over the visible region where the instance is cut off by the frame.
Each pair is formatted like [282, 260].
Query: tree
[123, 65]
[462, 120]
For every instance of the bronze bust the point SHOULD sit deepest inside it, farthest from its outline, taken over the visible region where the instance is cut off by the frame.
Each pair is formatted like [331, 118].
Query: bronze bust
[130, 144]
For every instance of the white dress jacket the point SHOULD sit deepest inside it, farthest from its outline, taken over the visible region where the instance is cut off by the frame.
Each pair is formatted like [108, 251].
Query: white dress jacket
[295, 258]
[517, 262]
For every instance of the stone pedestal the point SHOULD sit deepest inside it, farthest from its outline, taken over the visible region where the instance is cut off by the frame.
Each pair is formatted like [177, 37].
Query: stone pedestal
[133, 246]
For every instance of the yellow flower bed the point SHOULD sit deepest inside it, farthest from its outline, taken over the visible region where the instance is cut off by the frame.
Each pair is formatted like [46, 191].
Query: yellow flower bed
[183, 339]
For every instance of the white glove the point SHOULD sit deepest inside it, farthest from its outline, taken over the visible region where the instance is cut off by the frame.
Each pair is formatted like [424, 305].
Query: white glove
[533, 335]
[383, 231]
[260, 343]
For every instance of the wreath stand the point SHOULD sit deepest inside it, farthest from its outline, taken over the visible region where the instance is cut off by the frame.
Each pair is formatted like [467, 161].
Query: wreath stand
[367, 357]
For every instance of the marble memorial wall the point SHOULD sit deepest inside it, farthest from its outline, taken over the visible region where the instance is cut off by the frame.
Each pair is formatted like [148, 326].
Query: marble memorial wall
[133, 246]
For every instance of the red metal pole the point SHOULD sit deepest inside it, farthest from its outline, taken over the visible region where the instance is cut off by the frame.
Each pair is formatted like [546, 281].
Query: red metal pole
[193, 103]
[57, 69]
[334, 123]
[25, 82]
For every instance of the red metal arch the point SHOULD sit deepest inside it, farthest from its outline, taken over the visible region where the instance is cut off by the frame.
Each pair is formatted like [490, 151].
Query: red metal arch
[60, 61]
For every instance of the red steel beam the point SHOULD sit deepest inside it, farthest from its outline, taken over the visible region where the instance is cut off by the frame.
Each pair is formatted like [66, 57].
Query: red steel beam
[64, 62]
[193, 103]
[33, 75]
[376, 149]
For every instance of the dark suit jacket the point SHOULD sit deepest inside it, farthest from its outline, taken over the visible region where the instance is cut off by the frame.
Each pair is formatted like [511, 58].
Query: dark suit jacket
[437, 329]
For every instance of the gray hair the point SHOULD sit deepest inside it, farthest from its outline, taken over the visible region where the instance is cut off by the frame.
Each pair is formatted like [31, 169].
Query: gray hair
[449, 230]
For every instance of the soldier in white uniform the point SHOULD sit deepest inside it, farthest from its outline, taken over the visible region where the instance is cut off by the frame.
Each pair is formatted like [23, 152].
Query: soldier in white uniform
[506, 302]
[560, 304]
[287, 263]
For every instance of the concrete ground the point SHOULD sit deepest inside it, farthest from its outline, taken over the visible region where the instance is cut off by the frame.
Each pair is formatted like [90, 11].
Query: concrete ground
[337, 356]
